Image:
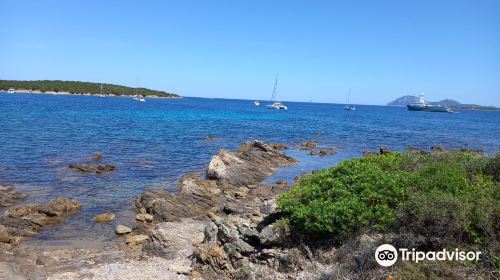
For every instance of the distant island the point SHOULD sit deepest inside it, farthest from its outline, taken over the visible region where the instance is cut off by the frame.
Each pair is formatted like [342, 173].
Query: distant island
[410, 99]
[83, 88]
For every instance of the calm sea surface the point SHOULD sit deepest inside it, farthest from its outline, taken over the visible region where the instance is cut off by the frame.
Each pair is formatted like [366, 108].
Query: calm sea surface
[154, 143]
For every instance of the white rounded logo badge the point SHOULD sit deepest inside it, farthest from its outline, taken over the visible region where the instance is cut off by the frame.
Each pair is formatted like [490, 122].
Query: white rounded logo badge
[386, 255]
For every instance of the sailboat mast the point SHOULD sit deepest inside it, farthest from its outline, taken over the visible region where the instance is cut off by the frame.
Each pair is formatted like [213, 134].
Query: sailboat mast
[136, 85]
[101, 89]
[273, 97]
[349, 97]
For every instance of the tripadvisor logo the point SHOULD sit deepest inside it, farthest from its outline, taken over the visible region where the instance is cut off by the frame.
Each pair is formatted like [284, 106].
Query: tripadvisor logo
[387, 255]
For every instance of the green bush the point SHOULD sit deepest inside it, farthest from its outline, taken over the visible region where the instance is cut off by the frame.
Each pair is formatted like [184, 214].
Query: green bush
[444, 194]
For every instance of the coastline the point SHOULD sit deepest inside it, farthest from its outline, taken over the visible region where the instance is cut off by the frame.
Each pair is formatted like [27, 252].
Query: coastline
[25, 91]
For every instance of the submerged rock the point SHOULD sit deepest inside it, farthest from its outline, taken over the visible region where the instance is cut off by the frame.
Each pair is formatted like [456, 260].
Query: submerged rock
[104, 217]
[211, 138]
[308, 145]
[321, 153]
[92, 168]
[8, 197]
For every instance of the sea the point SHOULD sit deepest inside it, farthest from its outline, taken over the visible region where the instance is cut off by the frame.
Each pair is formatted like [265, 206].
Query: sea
[155, 142]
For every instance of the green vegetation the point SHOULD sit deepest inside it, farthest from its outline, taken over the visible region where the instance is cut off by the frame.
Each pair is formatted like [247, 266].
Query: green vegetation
[445, 197]
[79, 88]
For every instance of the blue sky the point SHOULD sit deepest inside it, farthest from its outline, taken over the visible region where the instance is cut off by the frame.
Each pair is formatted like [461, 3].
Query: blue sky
[233, 49]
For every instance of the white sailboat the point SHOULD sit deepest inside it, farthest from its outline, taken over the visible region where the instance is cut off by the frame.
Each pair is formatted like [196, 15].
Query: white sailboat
[137, 97]
[349, 107]
[101, 94]
[276, 104]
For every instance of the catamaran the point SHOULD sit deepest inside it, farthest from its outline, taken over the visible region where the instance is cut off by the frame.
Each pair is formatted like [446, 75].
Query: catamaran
[276, 104]
[349, 107]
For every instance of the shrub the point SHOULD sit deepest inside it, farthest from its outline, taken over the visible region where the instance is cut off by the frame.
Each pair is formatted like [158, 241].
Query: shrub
[450, 195]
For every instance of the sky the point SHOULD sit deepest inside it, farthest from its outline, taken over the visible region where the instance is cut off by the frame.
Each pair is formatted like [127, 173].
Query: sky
[234, 49]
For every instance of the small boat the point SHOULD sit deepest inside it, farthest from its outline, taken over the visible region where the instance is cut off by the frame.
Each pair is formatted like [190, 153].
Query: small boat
[11, 90]
[276, 104]
[349, 107]
[256, 103]
[137, 97]
[422, 105]
[101, 94]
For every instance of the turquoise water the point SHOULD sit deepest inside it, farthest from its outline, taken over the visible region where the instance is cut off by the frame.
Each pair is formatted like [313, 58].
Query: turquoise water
[154, 143]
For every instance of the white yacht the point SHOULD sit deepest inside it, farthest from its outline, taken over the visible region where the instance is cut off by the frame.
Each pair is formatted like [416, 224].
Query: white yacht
[11, 90]
[256, 103]
[276, 104]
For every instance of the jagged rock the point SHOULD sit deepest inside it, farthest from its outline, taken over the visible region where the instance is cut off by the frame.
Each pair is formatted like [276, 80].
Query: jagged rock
[254, 161]
[92, 168]
[27, 220]
[121, 230]
[136, 239]
[8, 197]
[175, 240]
[149, 218]
[104, 217]
[196, 198]
[97, 156]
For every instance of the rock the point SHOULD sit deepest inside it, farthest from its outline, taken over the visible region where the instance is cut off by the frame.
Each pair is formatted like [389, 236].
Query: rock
[384, 150]
[211, 138]
[196, 198]
[8, 197]
[121, 230]
[97, 156]
[104, 217]
[210, 233]
[181, 269]
[326, 152]
[281, 183]
[4, 235]
[149, 218]
[368, 154]
[136, 239]
[45, 260]
[254, 161]
[175, 240]
[308, 145]
[140, 217]
[270, 235]
[269, 207]
[278, 146]
[92, 168]
[27, 220]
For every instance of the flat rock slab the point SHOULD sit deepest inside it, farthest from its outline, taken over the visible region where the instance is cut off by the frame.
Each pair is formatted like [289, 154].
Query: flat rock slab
[175, 240]
[8, 197]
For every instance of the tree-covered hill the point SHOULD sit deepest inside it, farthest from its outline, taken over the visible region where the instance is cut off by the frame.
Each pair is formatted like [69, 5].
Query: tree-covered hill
[77, 87]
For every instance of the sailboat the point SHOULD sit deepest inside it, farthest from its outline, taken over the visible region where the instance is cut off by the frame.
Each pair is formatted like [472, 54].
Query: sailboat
[101, 95]
[349, 107]
[276, 104]
[136, 97]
